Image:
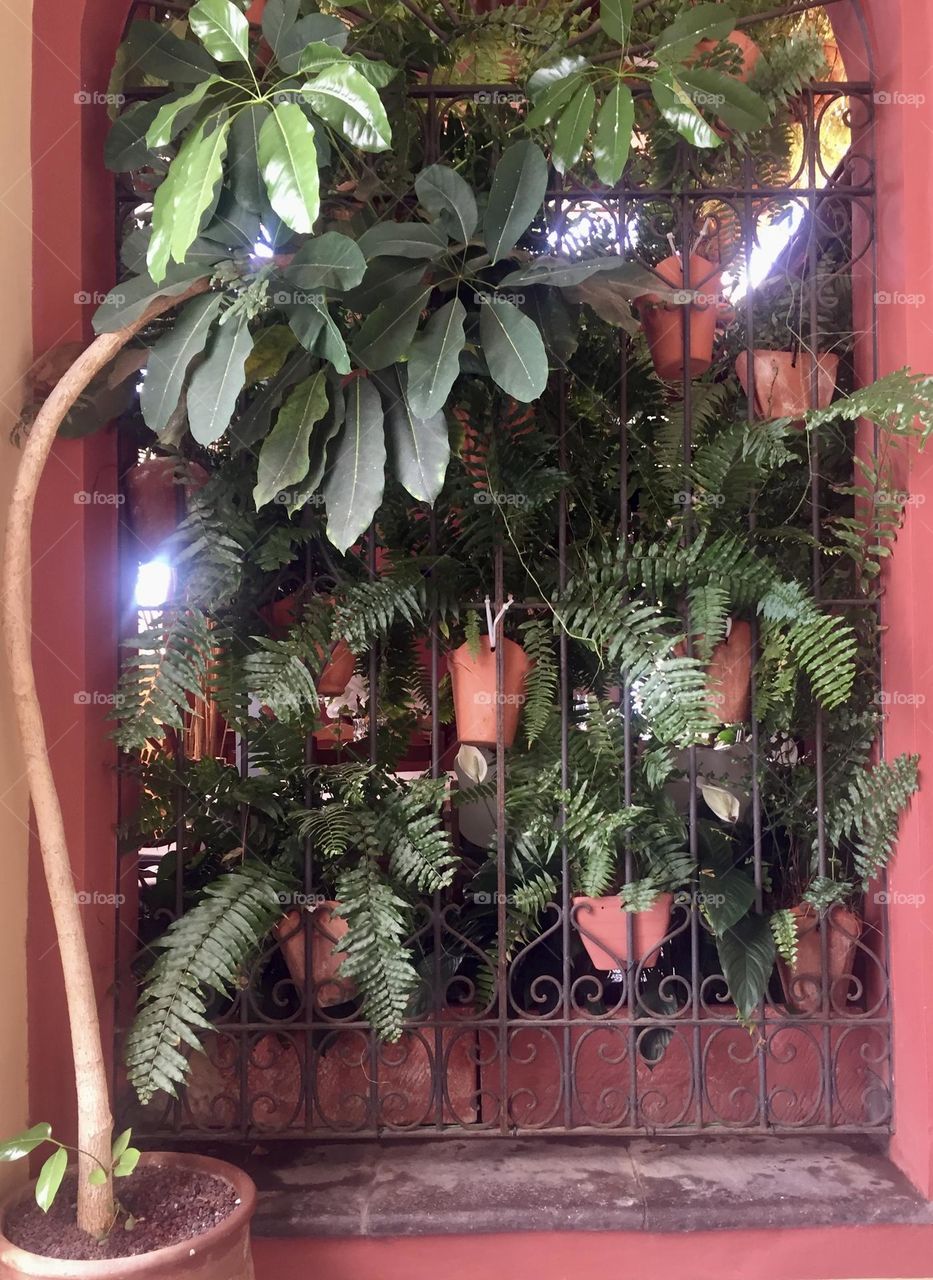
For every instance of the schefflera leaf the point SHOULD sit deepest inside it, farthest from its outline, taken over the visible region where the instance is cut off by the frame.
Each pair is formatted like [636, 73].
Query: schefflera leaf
[218, 380]
[171, 356]
[288, 163]
[187, 195]
[355, 478]
[420, 447]
[284, 457]
[514, 349]
[517, 194]
[434, 359]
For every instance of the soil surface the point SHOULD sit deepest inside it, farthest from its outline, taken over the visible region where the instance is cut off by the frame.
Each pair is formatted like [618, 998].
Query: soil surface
[161, 1206]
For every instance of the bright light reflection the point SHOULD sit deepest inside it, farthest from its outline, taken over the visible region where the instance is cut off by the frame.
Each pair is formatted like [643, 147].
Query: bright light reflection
[773, 239]
[153, 584]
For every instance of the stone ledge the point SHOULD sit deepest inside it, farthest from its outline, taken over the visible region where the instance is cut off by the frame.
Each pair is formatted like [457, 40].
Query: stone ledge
[486, 1185]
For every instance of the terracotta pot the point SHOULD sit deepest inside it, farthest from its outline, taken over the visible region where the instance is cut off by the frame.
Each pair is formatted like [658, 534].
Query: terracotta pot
[327, 931]
[801, 981]
[281, 615]
[475, 693]
[664, 322]
[222, 1253]
[783, 382]
[603, 927]
[155, 500]
[749, 50]
[729, 673]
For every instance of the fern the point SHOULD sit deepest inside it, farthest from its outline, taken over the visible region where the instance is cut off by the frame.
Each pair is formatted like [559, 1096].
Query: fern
[867, 812]
[541, 681]
[784, 931]
[897, 402]
[201, 954]
[375, 955]
[169, 664]
[277, 675]
[367, 611]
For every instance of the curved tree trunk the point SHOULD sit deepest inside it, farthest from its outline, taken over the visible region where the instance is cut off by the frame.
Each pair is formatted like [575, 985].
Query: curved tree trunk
[95, 1203]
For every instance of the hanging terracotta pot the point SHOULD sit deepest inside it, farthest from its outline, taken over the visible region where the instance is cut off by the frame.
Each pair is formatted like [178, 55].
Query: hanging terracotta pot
[603, 927]
[729, 674]
[220, 1253]
[801, 981]
[327, 932]
[665, 322]
[155, 498]
[783, 381]
[747, 47]
[281, 615]
[475, 692]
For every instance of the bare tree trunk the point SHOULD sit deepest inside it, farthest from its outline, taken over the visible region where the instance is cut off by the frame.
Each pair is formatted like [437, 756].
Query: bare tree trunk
[95, 1124]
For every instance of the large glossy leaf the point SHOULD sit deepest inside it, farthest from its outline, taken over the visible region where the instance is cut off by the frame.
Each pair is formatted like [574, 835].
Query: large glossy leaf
[314, 328]
[173, 116]
[254, 421]
[726, 894]
[517, 194]
[278, 18]
[384, 278]
[746, 952]
[558, 325]
[329, 261]
[288, 163]
[153, 48]
[50, 1178]
[126, 146]
[315, 28]
[199, 186]
[420, 447]
[402, 240]
[434, 360]
[514, 350]
[272, 347]
[449, 198]
[218, 380]
[23, 1144]
[222, 29]
[243, 158]
[572, 128]
[386, 335]
[733, 102]
[706, 21]
[170, 357]
[128, 300]
[615, 17]
[568, 65]
[552, 100]
[284, 457]
[349, 103]
[613, 136]
[679, 110]
[355, 478]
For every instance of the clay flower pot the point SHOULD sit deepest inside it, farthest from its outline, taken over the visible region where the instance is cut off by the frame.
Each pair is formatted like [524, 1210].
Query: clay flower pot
[603, 926]
[155, 499]
[281, 615]
[222, 1253]
[783, 382]
[476, 695]
[665, 322]
[748, 49]
[729, 673]
[327, 931]
[801, 981]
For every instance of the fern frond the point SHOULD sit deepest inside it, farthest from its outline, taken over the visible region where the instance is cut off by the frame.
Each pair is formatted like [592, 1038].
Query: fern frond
[168, 665]
[784, 931]
[541, 681]
[376, 957]
[277, 675]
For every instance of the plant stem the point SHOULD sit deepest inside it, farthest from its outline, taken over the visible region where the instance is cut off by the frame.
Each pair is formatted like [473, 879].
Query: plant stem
[95, 1203]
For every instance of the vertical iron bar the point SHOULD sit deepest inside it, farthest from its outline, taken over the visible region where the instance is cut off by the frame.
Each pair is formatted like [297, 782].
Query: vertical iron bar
[501, 883]
[565, 695]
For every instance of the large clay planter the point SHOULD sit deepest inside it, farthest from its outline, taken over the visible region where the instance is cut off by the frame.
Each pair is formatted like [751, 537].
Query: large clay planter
[603, 927]
[749, 50]
[783, 382]
[728, 675]
[156, 500]
[665, 322]
[222, 1253]
[327, 931]
[476, 695]
[801, 981]
[281, 615]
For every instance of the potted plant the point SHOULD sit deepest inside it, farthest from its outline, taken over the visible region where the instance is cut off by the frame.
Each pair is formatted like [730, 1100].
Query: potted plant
[788, 383]
[672, 326]
[477, 694]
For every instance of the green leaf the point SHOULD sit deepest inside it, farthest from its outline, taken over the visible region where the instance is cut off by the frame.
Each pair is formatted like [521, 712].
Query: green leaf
[402, 240]
[678, 109]
[127, 1163]
[517, 194]
[514, 350]
[218, 380]
[243, 158]
[153, 48]
[120, 1144]
[97, 1177]
[746, 952]
[699, 22]
[312, 325]
[385, 336]
[174, 115]
[725, 895]
[550, 102]
[50, 1178]
[315, 28]
[615, 16]
[449, 198]
[200, 185]
[271, 349]
[288, 161]
[613, 136]
[572, 128]
[170, 357]
[283, 459]
[434, 360]
[355, 478]
[278, 18]
[128, 300]
[329, 261]
[25, 1143]
[222, 29]
[126, 147]
[350, 104]
[732, 101]
[568, 65]
[420, 446]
